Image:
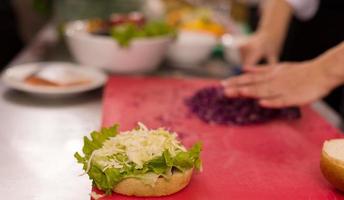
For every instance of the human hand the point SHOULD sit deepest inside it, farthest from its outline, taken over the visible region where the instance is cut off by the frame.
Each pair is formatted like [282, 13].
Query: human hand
[259, 46]
[267, 42]
[286, 84]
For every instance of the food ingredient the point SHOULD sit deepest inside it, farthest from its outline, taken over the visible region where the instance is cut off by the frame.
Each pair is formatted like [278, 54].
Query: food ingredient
[212, 106]
[111, 157]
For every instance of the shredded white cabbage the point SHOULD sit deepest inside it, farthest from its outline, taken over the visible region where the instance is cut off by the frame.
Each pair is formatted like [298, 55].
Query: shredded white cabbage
[88, 164]
[137, 146]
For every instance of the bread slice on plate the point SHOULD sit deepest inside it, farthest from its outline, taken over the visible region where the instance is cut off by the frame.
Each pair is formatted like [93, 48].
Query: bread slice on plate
[332, 162]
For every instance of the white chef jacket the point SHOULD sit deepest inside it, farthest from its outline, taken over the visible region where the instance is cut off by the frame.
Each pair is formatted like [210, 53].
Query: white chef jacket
[304, 9]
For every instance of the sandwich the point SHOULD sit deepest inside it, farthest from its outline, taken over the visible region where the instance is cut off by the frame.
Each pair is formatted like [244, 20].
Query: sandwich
[139, 162]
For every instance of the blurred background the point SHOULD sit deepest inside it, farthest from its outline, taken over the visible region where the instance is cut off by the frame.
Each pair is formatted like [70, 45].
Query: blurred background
[207, 42]
[22, 19]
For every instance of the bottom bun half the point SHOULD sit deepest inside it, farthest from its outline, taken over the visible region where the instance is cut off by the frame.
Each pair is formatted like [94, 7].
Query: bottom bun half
[162, 187]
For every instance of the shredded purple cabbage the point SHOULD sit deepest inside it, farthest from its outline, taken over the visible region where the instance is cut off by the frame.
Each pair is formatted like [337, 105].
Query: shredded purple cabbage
[212, 106]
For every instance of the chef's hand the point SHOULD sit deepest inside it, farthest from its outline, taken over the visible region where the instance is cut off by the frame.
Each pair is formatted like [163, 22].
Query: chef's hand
[267, 41]
[259, 46]
[285, 84]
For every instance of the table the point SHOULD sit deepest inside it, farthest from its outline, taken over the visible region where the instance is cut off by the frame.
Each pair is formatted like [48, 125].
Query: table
[39, 136]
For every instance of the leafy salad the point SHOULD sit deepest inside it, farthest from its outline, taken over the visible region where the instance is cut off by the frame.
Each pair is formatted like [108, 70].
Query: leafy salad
[125, 33]
[110, 156]
[126, 27]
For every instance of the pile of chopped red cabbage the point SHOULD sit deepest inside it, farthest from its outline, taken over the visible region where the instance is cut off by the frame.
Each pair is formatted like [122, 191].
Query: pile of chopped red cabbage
[212, 106]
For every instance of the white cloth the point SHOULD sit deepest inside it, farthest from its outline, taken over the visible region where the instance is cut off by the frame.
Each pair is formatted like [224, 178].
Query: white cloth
[304, 9]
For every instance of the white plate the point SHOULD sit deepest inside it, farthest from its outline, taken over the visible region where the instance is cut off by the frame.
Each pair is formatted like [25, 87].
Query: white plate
[14, 78]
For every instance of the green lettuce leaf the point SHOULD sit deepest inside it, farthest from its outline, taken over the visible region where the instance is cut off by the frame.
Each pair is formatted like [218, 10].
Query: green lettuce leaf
[104, 180]
[158, 28]
[125, 33]
[194, 154]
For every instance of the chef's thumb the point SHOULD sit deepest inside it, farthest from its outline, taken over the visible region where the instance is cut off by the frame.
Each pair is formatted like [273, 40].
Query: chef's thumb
[272, 59]
[251, 58]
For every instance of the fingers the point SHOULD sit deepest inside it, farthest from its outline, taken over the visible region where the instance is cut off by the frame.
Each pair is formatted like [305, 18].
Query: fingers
[232, 92]
[246, 79]
[260, 91]
[248, 85]
[286, 100]
[256, 69]
[268, 97]
[278, 102]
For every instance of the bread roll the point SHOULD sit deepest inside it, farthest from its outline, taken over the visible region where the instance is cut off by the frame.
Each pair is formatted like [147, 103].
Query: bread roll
[332, 162]
[162, 187]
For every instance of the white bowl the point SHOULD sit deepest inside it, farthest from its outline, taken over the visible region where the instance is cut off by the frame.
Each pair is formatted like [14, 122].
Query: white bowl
[190, 49]
[142, 55]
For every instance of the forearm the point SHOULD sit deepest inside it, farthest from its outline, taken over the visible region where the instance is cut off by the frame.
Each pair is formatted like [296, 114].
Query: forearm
[332, 65]
[275, 20]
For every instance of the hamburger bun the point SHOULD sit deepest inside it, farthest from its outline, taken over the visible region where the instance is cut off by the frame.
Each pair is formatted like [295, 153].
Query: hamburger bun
[332, 162]
[162, 187]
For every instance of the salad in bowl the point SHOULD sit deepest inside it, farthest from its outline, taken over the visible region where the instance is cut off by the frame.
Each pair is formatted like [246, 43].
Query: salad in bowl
[123, 43]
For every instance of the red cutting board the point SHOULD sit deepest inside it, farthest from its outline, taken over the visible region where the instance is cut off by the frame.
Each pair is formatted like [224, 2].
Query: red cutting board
[276, 160]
